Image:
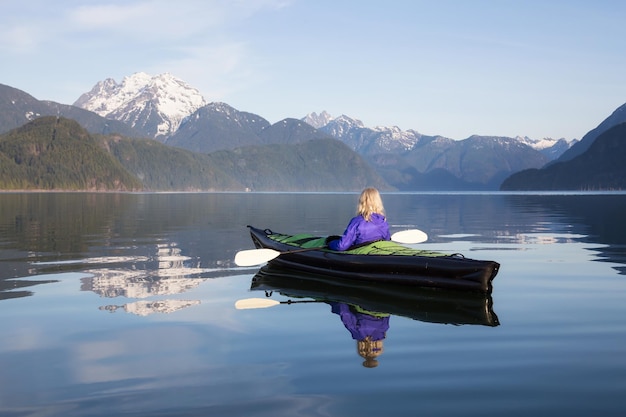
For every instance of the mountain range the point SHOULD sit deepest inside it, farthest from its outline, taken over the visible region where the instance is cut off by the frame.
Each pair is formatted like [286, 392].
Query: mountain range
[407, 160]
[165, 110]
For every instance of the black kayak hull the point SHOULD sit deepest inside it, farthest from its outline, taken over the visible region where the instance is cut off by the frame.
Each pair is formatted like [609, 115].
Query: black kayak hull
[448, 272]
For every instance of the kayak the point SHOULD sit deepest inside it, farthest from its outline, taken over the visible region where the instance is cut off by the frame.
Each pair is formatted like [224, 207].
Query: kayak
[378, 262]
[424, 304]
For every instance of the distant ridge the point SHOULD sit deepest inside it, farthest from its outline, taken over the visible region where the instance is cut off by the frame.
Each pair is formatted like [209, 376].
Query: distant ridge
[600, 167]
[616, 118]
[18, 108]
[218, 126]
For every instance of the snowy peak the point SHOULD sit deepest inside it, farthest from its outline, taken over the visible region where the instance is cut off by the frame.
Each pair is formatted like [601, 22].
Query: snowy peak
[552, 148]
[318, 120]
[323, 119]
[360, 138]
[154, 104]
[541, 144]
[368, 140]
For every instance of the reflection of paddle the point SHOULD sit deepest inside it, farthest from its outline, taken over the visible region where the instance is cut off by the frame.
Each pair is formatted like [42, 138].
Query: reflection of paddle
[252, 257]
[250, 303]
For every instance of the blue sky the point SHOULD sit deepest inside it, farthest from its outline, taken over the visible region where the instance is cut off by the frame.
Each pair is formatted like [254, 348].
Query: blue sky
[446, 67]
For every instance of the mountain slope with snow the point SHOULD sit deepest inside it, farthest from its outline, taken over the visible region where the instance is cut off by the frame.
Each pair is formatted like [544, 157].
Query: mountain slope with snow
[156, 105]
[405, 157]
[389, 139]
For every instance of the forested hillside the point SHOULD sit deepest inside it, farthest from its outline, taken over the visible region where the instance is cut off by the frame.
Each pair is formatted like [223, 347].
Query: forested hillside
[314, 165]
[53, 153]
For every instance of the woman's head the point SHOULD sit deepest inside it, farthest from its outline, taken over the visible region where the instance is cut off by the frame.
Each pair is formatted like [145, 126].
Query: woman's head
[369, 350]
[370, 203]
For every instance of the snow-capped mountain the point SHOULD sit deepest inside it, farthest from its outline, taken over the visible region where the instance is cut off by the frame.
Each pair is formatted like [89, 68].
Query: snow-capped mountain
[552, 148]
[367, 140]
[156, 105]
[318, 120]
[362, 139]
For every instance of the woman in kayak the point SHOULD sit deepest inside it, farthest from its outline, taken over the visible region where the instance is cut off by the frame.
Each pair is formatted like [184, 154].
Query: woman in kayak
[369, 225]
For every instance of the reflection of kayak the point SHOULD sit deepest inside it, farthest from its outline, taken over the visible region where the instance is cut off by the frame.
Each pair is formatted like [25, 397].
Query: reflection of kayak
[424, 304]
[378, 262]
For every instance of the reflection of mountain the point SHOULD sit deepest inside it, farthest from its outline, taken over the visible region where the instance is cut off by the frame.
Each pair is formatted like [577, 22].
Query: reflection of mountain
[171, 277]
[601, 217]
[8, 287]
[145, 308]
[428, 305]
[112, 283]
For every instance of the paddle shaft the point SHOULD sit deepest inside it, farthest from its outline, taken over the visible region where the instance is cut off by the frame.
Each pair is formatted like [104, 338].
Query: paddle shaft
[393, 238]
[255, 303]
[261, 255]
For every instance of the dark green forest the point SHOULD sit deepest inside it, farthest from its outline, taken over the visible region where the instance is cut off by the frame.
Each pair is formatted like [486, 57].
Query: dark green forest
[52, 153]
[58, 154]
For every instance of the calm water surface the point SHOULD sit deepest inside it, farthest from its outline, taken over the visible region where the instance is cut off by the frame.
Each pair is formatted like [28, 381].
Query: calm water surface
[124, 304]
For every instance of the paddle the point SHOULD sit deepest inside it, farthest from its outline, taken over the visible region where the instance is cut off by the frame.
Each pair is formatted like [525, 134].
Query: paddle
[253, 257]
[409, 236]
[250, 303]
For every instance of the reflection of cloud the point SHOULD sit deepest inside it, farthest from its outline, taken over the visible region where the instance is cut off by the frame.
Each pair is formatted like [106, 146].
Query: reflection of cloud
[145, 308]
[459, 235]
[548, 238]
[96, 260]
[528, 238]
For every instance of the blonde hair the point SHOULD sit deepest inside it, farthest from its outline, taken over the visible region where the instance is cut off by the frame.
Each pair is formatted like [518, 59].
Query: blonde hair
[370, 203]
[369, 350]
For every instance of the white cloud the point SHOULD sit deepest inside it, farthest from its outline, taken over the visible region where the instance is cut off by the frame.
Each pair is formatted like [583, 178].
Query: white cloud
[216, 70]
[153, 21]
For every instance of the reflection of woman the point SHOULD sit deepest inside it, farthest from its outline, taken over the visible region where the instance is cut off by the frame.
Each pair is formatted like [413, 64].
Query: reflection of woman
[367, 328]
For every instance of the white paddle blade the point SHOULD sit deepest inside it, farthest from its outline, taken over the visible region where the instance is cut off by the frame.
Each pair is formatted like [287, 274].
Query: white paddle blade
[250, 303]
[253, 257]
[409, 236]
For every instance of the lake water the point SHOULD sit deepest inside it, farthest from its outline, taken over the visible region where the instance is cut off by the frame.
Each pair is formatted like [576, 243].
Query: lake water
[124, 304]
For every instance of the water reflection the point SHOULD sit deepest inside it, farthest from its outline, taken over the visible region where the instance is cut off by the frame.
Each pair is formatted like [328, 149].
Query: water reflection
[171, 276]
[168, 276]
[134, 277]
[365, 310]
[145, 308]
[599, 216]
[368, 328]
[11, 288]
[114, 237]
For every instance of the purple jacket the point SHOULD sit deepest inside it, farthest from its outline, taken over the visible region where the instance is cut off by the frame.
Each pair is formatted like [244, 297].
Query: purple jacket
[360, 231]
[361, 325]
